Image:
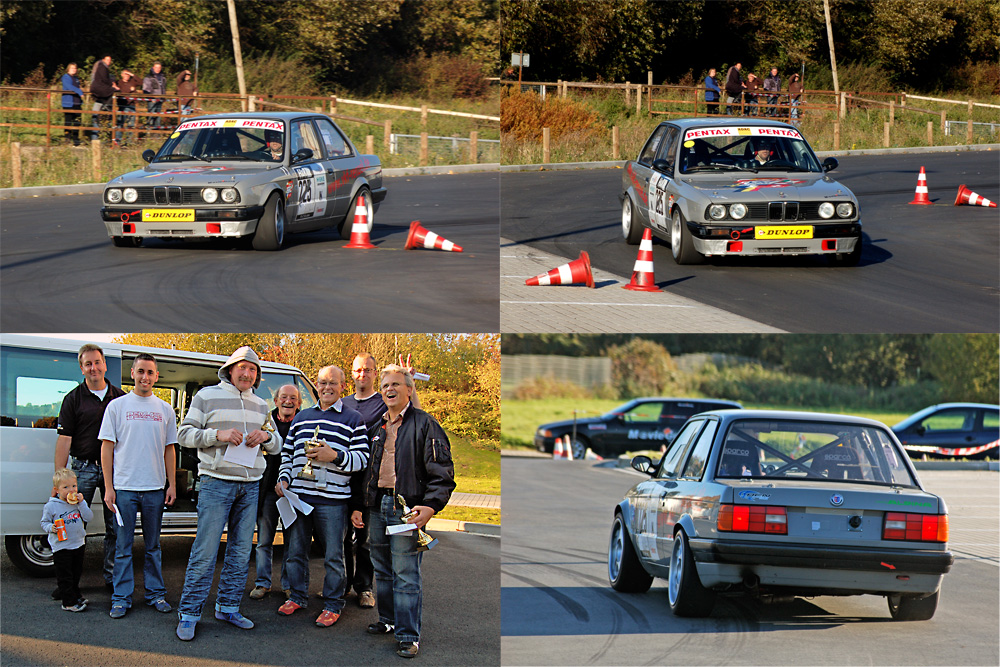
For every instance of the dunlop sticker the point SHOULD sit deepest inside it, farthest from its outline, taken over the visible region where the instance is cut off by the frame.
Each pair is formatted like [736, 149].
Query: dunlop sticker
[168, 215]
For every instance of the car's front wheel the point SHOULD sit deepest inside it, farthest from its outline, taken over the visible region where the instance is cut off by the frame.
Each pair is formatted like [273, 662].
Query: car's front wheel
[903, 608]
[631, 230]
[270, 233]
[681, 242]
[127, 241]
[685, 593]
[31, 554]
[848, 258]
[344, 228]
[624, 569]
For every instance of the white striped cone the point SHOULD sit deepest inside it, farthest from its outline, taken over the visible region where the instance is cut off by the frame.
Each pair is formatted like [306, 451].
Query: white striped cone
[421, 238]
[921, 196]
[567, 448]
[967, 196]
[359, 230]
[577, 271]
[642, 273]
[557, 450]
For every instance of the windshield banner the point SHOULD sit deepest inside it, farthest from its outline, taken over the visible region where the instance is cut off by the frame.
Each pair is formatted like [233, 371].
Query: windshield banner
[741, 132]
[232, 122]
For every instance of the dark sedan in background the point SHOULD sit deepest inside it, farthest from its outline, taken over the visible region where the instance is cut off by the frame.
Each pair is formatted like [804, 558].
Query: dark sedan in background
[642, 423]
[952, 431]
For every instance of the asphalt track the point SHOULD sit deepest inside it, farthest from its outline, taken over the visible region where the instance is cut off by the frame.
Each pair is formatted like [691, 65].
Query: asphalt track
[60, 272]
[557, 607]
[924, 268]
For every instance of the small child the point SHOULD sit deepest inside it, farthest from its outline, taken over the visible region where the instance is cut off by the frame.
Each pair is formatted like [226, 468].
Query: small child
[69, 506]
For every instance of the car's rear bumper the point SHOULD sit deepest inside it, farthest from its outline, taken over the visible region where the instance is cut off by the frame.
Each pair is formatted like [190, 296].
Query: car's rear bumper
[207, 223]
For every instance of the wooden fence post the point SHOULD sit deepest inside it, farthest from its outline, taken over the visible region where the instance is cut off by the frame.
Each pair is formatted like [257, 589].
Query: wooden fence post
[95, 156]
[930, 133]
[968, 131]
[423, 149]
[15, 163]
[638, 98]
[252, 103]
[892, 112]
[333, 104]
[614, 143]
[649, 77]
[318, 109]
[545, 145]
[387, 140]
[628, 95]
[473, 147]
[48, 119]
[885, 135]
[423, 115]
[370, 143]
[843, 106]
[944, 121]
[836, 135]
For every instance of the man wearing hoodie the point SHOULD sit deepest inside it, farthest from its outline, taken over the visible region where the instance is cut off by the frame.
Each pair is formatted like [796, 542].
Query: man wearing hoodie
[224, 421]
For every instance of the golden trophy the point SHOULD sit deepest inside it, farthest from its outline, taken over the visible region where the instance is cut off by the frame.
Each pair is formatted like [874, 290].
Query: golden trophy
[424, 541]
[266, 426]
[310, 444]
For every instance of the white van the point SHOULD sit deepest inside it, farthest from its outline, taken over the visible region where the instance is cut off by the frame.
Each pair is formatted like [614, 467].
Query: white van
[35, 374]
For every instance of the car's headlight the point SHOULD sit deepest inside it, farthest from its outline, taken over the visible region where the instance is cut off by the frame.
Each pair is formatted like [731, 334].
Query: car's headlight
[545, 433]
[114, 195]
[738, 211]
[229, 195]
[845, 210]
[130, 194]
[826, 210]
[210, 195]
[716, 211]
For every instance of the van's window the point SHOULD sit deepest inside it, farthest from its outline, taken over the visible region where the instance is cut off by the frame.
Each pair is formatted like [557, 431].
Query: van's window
[34, 383]
[271, 382]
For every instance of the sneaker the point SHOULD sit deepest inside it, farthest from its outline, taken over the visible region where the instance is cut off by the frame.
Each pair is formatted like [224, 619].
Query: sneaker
[161, 606]
[408, 649]
[366, 600]
[289, 608]
[258, 593]
[79, 606]
[83, 601]
[236, 618]
[185, 630]
[380, 628]
[118, 610]
[327, 618]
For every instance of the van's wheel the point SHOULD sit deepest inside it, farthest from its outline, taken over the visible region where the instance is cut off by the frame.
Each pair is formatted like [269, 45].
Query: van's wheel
[903, 608]
[270, 233]
[31, 554]
[685, 593]
[624, 569]
[344, 228]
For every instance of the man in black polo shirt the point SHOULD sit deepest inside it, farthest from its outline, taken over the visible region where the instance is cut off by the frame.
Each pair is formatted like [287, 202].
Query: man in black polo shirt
[79, 422]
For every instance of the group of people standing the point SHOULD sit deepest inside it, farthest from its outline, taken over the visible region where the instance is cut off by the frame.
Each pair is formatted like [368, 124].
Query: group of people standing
[362, 462]
[750, 91]
[127, 88]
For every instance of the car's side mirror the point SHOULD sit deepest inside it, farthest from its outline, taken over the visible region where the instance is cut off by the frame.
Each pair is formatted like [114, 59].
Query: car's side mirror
[302, 154]
[662, 165]
[643, 464]
[830, 164]
[148, 155]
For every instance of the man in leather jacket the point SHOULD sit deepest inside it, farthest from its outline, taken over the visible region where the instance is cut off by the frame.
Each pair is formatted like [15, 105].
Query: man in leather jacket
[410, 457]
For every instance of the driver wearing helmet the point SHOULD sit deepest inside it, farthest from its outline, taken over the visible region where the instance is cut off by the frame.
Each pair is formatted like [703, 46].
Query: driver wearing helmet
[764, 150]
[274, 146]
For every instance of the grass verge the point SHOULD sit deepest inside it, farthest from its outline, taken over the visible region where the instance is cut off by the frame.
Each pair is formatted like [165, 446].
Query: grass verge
[472, 514]
[477, 470]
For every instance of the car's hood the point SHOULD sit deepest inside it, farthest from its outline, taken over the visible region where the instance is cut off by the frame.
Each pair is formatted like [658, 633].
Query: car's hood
[194, 173]
[768, 186]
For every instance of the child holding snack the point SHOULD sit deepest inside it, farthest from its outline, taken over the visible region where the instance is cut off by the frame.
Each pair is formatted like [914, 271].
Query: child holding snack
[63, 520]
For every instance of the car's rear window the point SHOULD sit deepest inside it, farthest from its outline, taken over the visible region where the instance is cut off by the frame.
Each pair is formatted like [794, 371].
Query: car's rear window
[812, 449]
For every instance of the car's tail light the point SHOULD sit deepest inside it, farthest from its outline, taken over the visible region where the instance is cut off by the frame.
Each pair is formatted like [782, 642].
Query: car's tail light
[752, 519]
[915, 527]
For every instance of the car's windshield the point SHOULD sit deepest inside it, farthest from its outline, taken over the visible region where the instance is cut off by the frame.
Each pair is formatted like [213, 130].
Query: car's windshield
[762, 448]
[754, 149]
[253, 139]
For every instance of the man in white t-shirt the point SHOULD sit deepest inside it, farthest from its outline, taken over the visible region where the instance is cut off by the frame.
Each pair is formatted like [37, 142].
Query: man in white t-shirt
[138, 435]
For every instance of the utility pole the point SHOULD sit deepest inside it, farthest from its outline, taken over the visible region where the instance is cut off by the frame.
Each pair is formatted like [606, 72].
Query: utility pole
[238, 55]
[829, 37]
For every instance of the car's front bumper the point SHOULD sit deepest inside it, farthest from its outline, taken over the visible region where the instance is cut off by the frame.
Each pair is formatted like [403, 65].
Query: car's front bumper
[544, 444]
[827, 239]
[207, 223]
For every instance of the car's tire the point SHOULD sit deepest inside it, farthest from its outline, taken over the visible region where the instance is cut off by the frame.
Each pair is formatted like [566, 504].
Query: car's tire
[631, 229]
[344, 228]
[681, 243]
[624, 569]
[127, 241]
[270, 234]
[31, 554]
[685, 593]
[580, 447]
[903, 608]
[848, 258]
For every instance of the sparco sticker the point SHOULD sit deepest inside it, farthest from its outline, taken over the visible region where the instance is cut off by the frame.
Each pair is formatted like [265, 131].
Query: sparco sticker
[753, 495]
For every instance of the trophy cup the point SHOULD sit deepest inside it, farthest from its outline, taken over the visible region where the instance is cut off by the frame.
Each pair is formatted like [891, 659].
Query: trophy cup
[424, 541]
[310, 444]
[266, 426]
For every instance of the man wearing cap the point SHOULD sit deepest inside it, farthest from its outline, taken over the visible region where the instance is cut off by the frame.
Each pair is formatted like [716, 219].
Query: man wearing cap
[224, 421]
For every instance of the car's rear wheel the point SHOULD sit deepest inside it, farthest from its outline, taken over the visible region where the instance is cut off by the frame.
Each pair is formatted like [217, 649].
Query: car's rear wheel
[631, 230]
[624, 569]
[344, 228]
[127, 241]
[685, 593]
[580, 446]
[31, 554]
[848, 258]
[681, 243]
[904, 608]
[270, 233]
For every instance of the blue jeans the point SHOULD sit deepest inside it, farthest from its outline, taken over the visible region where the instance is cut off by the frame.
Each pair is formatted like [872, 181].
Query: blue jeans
[89, 479]
[330, 522]
[267, 526]
[220, 502]
[397, 571]
[150, 503]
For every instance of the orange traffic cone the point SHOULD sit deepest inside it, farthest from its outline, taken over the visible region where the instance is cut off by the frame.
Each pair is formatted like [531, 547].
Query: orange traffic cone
[642, 273]
[421, 238]
[557, 450]
[577, 271]
[359, 230]
[967, 196]
[568, 448]
[921, 195]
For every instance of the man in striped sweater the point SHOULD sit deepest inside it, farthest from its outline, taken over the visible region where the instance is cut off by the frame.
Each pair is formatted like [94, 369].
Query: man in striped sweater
[344, 450]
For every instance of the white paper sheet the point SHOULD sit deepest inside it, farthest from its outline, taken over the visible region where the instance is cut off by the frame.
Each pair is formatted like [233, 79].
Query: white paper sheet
[241, 455]
[285, 511]
[118, 515]
[395, 530]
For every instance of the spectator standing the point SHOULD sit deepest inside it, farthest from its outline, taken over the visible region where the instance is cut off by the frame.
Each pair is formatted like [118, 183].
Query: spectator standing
[772, 85]
[127, 85]
[67, 540]
[734, 87]
[186, 91]
[155, 83]
[138, 455]
[77, 444]
[795, 93]
[102, 90]
[751, 93]
[72, 101]
[712, 92]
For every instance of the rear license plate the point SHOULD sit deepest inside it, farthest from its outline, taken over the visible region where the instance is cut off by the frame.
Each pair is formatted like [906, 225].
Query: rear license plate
[168, 215]
[784, 232]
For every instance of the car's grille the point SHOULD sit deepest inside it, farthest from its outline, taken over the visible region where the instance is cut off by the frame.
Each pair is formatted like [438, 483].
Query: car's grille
[778, 211]
[168, 194]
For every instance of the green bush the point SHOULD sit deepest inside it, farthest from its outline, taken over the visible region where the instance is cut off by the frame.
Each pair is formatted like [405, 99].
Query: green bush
[642, 367]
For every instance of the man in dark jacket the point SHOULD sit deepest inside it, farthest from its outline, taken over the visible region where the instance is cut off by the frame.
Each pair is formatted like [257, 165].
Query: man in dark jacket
[410, 459]
[102, 89]
[155, 83]
[772, 84]
[127, 84]
[712, 92]
[734, 87]
[71, 100]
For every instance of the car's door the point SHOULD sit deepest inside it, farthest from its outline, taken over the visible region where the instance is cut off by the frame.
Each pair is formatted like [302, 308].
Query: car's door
[662, 189]
[690, 495]
[638, 427]
[642, 169]
[341, 166]
[309, 196]
[948, 427]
